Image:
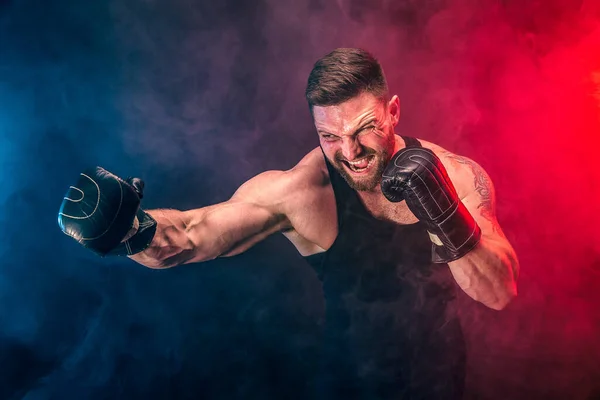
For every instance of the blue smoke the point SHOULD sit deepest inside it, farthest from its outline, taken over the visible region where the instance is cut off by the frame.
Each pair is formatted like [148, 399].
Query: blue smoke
[75, 326]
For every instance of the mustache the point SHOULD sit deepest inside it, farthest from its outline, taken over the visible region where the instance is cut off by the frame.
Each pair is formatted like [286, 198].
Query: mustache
[338, 157]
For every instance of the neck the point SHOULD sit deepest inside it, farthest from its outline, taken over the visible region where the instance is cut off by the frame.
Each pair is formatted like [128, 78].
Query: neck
[399, 144]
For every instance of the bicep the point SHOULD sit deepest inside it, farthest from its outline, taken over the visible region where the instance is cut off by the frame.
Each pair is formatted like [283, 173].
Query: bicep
[235, 226]
[480, 201]
[232, 227]
[476, 191]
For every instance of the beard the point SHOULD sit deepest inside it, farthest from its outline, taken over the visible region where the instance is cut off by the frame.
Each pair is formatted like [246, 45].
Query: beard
[368, 182]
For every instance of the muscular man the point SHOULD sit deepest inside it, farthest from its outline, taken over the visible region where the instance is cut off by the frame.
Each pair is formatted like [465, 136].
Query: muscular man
[392, 224]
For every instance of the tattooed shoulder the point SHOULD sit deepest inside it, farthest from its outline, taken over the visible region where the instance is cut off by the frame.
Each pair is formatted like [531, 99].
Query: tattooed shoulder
[481, 182]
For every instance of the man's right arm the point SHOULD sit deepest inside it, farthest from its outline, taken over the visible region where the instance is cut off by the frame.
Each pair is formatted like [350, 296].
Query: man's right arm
[255, 211]
[102, 212]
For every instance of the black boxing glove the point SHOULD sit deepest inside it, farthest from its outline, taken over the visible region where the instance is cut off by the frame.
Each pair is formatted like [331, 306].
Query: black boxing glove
[416, 174]
[100, 210]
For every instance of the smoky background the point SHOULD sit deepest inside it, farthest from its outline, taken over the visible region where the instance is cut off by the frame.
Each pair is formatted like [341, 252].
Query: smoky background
[196, 97]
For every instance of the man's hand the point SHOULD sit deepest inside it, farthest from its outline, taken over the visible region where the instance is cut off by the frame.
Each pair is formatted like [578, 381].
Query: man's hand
[101, 211]
[418, 176]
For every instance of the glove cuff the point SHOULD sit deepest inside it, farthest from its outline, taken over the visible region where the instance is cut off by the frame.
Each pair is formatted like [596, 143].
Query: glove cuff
[458, 233]
[140, 240]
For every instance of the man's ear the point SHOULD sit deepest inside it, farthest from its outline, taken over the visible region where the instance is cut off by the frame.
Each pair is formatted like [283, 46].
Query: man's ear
[394, 109]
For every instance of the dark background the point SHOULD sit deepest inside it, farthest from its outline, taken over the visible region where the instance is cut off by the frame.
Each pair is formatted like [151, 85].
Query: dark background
[196, 97]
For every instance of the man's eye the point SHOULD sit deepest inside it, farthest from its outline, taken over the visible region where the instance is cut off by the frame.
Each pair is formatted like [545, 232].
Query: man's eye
[328, 137]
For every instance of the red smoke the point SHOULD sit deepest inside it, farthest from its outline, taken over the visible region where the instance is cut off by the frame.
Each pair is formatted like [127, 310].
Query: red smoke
[538, 130]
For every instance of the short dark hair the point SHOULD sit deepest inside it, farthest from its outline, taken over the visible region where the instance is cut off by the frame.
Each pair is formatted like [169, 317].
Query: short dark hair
[344, 74]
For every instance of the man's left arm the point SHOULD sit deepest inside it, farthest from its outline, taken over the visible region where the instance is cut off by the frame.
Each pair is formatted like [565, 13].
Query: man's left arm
[454, 198]
[488, 272]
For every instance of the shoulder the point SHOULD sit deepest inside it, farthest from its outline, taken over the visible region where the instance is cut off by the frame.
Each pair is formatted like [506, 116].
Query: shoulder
[283, 187]
[466, 174]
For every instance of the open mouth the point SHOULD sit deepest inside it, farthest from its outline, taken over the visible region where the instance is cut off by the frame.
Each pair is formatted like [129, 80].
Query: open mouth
[360, 166]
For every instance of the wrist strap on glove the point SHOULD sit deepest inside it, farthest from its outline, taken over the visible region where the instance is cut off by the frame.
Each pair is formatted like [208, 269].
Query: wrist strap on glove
[140, 240]
[458, 233]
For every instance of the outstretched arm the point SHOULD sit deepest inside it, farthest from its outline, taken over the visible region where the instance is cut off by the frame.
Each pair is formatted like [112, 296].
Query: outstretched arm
[254, 212]
[489, 272]
[102, 212]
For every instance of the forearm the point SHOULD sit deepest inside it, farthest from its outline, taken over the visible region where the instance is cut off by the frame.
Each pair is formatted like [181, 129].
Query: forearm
[171, 244]
[488, 273]
[198, 235]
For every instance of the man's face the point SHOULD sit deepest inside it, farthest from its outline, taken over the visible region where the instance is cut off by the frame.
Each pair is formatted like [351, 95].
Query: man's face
[358, 138]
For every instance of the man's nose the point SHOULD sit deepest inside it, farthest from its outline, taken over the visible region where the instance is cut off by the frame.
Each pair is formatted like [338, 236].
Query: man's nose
[350, 148]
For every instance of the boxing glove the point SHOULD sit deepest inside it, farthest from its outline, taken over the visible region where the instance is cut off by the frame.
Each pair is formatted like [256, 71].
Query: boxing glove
[417, 175]
[100, 210]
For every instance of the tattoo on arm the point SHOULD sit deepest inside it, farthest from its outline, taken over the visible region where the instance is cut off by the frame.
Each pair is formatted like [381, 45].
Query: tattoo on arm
[483, 187]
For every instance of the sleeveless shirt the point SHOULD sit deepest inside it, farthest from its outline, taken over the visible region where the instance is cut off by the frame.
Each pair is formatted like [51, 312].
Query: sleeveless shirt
[390, 331]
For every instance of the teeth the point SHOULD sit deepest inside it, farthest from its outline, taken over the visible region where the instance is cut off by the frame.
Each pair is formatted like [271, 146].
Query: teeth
[358, 161]
[354, 165]
[355, 162]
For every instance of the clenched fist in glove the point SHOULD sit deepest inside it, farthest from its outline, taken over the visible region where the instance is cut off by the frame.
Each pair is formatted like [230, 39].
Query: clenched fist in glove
[101, 210]
[417, 175]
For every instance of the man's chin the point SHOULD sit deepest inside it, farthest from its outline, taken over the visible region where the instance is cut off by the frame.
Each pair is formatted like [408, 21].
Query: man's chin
[363, 184]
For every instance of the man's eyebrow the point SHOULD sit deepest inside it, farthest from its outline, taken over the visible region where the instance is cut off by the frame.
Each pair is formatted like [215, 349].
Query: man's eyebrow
[322, 132]
[357, 130]
[365, 124]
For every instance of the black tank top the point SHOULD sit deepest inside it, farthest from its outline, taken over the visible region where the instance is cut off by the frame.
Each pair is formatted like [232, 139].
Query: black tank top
[391, 331]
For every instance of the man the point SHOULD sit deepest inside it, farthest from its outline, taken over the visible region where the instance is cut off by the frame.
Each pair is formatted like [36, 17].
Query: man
[390, 223]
